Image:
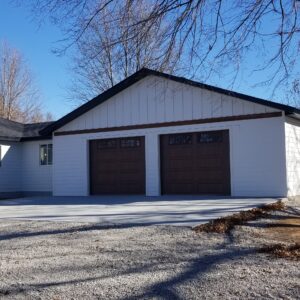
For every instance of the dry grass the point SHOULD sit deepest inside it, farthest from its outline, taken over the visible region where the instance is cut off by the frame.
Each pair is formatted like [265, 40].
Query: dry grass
[226, 224]
[283, 251]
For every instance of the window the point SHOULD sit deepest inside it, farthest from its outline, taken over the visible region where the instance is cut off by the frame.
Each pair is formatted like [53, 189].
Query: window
[130, 143]
[46, 154]
[107, 144]
[180, 139]
[209, 137]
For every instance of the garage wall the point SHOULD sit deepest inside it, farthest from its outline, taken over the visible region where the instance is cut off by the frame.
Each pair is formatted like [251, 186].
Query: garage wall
[10, 169]
[257, 153]
[70, 166]
[157, 100]
[35, 177]
[292, 138]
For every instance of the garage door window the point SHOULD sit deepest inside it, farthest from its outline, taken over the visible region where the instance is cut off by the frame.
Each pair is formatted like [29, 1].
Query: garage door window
[209, 137]
[130, 143]
[180, 139]
[107, 144]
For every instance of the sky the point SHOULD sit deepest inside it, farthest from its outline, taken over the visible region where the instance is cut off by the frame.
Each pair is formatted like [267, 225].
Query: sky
[35, 43]
[51, 72]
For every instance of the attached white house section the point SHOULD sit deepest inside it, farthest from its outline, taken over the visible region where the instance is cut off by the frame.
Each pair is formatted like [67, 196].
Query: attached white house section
[21, 171]
[158, 100]
[292, 140]
[10, 167]
[35, 177]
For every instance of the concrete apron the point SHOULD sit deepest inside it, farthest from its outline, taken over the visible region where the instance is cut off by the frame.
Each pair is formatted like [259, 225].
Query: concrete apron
[127, 210]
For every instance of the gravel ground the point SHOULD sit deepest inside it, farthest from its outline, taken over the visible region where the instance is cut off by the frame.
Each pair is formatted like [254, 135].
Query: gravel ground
[62, 260]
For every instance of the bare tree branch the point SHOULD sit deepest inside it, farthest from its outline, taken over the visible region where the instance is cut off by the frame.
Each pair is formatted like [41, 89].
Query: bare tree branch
[19, 98]
[196, 36]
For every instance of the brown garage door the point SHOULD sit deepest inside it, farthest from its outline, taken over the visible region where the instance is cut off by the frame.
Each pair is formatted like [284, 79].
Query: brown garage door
[117, 166]
[195, 163]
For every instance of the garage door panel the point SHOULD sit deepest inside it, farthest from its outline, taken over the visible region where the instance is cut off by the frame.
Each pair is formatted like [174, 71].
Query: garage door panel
[179, 177]
[106, 167]
[200, 166]
[208, 151]
[211, 177]
[130, 189]
[179, 153]
[210, 188]
[208, 163]
[127, 157]
[128, 176]
[117, 166]
[180, 165]
[180, 188]
[129, 172]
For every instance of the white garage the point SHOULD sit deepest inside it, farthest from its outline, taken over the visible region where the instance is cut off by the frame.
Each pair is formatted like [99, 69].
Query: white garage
[158, 134]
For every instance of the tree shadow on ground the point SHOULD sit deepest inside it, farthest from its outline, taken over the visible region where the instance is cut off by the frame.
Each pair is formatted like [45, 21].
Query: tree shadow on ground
[165, 289]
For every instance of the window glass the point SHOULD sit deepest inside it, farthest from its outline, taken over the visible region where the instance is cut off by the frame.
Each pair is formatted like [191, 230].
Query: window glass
[107, 144]
[130, 143]
[50, 155]
[180, 139]
[209, 137]
[43, 155]
[46, 154]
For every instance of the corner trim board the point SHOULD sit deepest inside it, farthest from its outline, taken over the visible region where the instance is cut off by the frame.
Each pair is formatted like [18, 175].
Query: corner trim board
[169, 124]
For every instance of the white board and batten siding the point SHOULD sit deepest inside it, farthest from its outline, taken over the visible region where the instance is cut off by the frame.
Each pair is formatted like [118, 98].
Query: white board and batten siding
[257, 147]
[292, 141]
[158, 100]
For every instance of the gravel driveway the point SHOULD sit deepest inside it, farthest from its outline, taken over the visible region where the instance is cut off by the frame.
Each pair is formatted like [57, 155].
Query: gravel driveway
[64, 260]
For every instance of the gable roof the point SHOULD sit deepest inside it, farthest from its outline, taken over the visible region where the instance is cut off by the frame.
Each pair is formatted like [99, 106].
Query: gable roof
[18, 132]
[289, 110]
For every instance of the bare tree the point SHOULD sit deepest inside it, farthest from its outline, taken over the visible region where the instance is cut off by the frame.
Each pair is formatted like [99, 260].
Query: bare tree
[100, 62]
[18, 94]
[205, 35]
[292, 94]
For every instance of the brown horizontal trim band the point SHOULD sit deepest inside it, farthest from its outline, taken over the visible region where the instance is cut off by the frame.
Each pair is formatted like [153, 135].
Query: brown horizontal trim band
[168, 124]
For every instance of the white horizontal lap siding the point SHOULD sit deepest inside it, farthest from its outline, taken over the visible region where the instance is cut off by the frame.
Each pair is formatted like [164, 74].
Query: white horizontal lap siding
[10, 169]
[292, 140]
[158, 100]
[257, 157]
[35, 177]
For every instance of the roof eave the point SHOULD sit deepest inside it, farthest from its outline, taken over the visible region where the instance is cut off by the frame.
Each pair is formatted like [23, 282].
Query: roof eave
[142, 74]
[295, 116]
[10, 139]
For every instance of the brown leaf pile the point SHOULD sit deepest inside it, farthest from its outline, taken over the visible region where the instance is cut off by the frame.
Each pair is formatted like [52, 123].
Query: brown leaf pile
[226, 224]
[283, 251]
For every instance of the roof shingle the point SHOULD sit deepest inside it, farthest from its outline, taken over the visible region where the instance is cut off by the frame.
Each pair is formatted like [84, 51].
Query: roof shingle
[15, 131]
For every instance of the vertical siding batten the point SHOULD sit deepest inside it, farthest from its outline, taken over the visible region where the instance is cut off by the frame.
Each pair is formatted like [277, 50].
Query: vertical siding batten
[157, 100]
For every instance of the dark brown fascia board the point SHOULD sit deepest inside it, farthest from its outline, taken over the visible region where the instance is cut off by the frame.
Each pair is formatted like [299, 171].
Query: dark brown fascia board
[36, 138]
[24, 139]
[9, 139]
[289, 110]
[168, 124]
